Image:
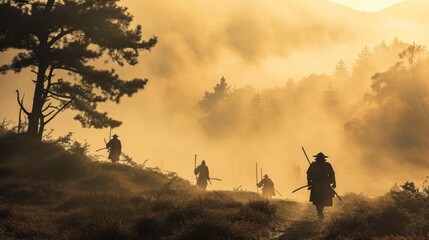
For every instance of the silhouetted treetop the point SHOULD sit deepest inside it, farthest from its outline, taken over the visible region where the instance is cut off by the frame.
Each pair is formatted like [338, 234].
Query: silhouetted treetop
[210, 99]
[68, 36]
[341, 72]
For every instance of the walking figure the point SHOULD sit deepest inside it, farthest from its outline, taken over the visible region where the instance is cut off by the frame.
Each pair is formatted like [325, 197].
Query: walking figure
[321, 182]
[203, 176]
[115, 148]
[267, 187]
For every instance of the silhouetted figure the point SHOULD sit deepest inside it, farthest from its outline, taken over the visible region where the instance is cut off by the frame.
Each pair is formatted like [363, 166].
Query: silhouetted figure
[203, 175]
[115, 148]
[267, 187]
[321, 181]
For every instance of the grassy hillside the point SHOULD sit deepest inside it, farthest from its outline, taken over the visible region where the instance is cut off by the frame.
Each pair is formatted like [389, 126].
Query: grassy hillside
[47, 192]
[55, 191]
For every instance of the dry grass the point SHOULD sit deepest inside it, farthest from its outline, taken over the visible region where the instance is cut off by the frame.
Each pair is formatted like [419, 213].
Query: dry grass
[47, 192]
[397, 215]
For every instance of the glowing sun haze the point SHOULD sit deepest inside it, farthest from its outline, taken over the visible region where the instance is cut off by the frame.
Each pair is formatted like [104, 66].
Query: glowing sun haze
[367, 5]
[270, 46]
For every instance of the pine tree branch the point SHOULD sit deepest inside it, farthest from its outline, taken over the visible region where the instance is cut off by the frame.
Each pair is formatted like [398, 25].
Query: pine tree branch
[59, 36]
[49, 85]
[46, 115]
[56, 98]
[58, 111]
[55, 107]
[53, 95]
[62, 108]
[21, 105]
[46, 108]
[69, 69]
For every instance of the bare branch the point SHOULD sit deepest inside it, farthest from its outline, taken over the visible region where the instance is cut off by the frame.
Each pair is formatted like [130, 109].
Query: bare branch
[46, 108]
[56, 98]
[49, 113]
[48, 86]
[59, 95]
[62, 108]
[55, 83]
[21, 105]
[58, 111]
[51, 73]
[56, 107]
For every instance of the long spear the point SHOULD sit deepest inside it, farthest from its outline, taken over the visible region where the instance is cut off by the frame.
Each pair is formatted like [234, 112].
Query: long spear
[306, 155]
[278, 192]
[105, 142]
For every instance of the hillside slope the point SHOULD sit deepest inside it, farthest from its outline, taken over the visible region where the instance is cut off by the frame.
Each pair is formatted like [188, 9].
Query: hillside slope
[47, 192]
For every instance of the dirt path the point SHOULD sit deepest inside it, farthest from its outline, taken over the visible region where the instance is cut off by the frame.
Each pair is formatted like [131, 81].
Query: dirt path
[300, 221]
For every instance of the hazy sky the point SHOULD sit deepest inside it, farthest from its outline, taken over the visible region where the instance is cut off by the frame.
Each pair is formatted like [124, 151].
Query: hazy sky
[367, 5]
[262, 44]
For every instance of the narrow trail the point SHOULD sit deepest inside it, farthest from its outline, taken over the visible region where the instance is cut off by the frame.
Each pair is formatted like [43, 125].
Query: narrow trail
[300, 221]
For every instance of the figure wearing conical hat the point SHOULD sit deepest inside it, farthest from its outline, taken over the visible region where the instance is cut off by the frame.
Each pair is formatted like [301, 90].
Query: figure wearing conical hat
[321, 182]
[267, 186]
[203, 175]
[114, 147]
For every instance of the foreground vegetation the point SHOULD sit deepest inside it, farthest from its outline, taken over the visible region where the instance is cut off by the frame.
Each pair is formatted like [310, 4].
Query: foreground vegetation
[402, 214]
[397, 215]
[48, 192]
[54, 190]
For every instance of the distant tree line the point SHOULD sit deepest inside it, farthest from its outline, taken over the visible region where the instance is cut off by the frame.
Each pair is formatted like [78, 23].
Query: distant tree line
[382, 101]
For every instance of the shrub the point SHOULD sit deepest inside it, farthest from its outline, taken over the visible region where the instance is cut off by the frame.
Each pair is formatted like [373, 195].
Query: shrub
[150, 228]
[48, 192]
[397, 214]
[259, 211]
[212, 229]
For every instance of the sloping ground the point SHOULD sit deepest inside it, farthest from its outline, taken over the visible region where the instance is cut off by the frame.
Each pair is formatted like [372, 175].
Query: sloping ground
[303, 225]
[47, 192]
[402, 215]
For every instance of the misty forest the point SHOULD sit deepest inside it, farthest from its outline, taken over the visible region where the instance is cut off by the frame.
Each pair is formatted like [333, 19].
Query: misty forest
[214, 119]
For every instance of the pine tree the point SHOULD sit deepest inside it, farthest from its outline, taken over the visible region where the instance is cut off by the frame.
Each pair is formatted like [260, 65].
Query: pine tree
[64, 37]
[341, 72]
[411, 54]
[362, 63]
[330, 97]
[210, 99]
